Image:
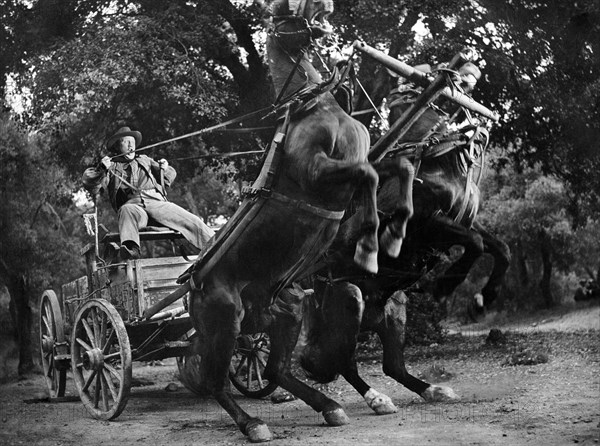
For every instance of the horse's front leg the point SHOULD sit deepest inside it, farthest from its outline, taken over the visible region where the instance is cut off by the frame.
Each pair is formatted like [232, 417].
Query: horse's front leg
[390, 326]
[216, 312]
[396, 176]
[363, 178]
[286, 321]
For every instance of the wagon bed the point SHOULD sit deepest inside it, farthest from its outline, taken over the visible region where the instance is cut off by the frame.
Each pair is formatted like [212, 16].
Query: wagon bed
[96, 329]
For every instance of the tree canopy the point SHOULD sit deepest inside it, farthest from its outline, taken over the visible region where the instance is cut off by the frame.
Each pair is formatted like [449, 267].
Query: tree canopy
[79, 69]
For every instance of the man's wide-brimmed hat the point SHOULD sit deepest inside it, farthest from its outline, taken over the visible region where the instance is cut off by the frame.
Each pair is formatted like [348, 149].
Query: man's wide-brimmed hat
[121, 133]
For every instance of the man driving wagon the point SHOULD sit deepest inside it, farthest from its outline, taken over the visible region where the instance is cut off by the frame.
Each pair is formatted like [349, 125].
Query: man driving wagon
[136, 186]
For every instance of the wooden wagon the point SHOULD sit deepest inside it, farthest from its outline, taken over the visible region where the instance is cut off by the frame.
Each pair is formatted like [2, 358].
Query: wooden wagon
[94, 327]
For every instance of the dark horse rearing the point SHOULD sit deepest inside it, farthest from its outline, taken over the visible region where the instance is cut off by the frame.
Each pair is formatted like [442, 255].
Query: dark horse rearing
[292, 219]
[446, 201]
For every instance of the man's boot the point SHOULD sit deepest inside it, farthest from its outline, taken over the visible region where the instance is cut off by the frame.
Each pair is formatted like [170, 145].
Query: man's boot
[129, 250]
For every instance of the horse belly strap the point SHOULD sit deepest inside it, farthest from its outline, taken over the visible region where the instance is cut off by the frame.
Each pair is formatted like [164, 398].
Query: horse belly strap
[303, 205]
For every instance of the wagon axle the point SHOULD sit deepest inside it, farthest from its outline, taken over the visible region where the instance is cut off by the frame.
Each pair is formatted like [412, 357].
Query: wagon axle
[93, 359]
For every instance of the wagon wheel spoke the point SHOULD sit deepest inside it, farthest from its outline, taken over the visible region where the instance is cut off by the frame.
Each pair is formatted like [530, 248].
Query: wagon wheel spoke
[97, 388]
[264, 350]
[112, 356]
[83, 344]
[109, 341]
[114, 372]
[240, 365]
[249, 374]
[96, 326]
[260, 359]
[47, 324]
[104, 392]
[88, 331]
[89, 380]
[257, 371]
[103, 341]
[110, 384]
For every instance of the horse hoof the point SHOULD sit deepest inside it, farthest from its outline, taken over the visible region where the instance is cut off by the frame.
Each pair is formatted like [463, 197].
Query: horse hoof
[336, 417]
[380, 403]
[391, 243]
[259, 433]
[439, 394]
[367, 260]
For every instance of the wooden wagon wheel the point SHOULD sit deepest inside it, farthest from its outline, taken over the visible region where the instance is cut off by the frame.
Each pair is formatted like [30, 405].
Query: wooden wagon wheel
[52, 335]
[190, 371]
[190, 375]
[248, 365]
[101, 359]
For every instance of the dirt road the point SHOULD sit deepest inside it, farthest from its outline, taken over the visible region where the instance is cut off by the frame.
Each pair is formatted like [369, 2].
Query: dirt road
[551, 403]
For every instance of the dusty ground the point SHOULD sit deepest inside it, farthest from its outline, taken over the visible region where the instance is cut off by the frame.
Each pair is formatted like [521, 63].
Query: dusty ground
[552, 403]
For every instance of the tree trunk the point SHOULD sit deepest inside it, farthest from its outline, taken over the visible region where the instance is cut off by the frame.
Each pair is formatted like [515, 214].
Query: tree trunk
[22, 316]
[546, 252]
[521, 262]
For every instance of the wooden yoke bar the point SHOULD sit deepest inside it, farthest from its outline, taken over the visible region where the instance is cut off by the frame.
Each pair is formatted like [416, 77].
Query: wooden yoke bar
[412, 114]
[421, 79]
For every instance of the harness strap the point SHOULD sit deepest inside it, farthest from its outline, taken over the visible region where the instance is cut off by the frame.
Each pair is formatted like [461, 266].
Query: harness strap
[208, 129]
[445, 146]
[469, 162]
[269, 169]
[303, 205]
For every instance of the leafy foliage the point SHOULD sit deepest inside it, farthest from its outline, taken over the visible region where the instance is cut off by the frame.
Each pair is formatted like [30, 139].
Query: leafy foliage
[38, 227]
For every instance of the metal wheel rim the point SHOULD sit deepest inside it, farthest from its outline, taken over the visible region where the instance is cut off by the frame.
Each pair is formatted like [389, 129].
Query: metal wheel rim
[51, 333]
[101, 359]
[248, 365]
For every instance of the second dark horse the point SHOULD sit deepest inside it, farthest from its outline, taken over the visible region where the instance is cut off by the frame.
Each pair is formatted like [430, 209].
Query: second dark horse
[446, 201]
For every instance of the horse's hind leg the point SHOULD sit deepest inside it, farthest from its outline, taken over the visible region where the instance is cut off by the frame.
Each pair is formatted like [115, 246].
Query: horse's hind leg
[284, 329]
[343, 311]
[332, 342]
[501, 254]
[390, 326]
[216, 312]
[443, 234]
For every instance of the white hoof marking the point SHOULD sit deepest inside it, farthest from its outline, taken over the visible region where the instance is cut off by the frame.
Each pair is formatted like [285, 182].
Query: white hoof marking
[380, 403]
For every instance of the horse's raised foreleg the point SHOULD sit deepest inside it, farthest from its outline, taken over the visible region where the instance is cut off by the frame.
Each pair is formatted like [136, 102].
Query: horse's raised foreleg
[501, 254]
[216, 312]
[286, 321]
[390, 326]
[363, 178]
[396, 176]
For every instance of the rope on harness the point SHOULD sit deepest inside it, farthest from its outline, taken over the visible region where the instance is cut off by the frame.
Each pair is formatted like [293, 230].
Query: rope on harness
[385, 126]
[205, 130]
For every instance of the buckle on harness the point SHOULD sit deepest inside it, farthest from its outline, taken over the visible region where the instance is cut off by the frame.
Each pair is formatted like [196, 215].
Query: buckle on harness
[253, 193]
